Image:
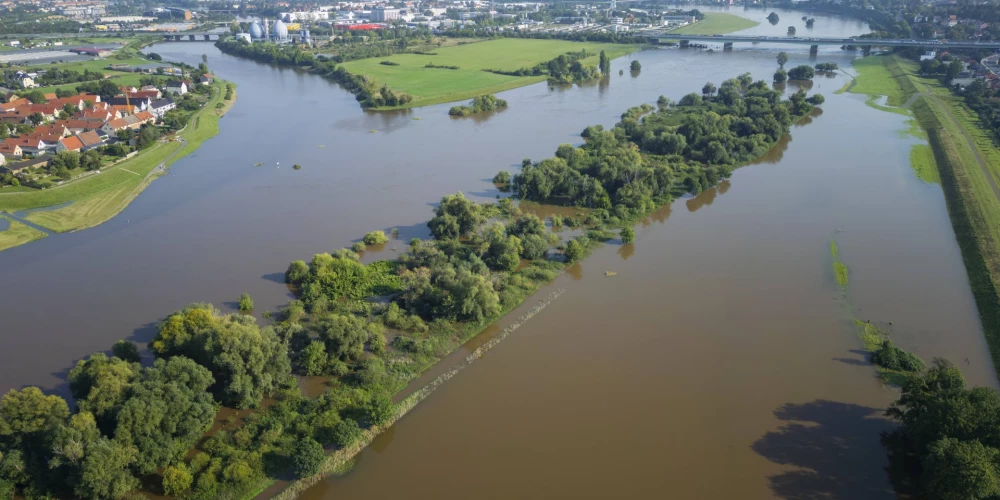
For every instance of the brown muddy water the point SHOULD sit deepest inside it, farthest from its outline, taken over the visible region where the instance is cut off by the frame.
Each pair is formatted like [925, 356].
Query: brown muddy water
[721, 347]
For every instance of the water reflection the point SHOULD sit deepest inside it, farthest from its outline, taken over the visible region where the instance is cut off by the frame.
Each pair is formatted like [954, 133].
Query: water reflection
[627, 250]
[382, 442]
[575, 271]
[801, 84]
[775, 154]
[825, 440]
[702, 199]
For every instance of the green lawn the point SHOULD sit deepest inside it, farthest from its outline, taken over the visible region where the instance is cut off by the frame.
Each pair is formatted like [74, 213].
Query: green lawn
[883, 75]
[17, 234]
[716, 23]
[97, 198]
[433, 86]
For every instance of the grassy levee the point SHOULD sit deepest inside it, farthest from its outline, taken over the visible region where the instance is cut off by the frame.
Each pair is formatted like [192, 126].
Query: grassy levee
[716, 23]
[97, 198]
[434, 86]
[974, 213]
[17, 234]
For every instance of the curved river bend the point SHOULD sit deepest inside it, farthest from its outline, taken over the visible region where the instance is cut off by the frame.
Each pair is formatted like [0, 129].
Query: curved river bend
[722, 344]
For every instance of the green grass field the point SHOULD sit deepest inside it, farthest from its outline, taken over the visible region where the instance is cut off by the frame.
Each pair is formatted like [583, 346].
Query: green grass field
[883, 76]
[434, 86]
[922, 162]
[716, 23]
[97, 198]
[17, 234]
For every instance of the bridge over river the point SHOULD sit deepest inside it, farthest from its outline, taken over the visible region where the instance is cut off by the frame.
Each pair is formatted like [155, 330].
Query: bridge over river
[814, 43]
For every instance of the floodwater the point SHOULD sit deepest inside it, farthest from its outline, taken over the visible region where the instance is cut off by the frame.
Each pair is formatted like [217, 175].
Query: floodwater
[722, 344]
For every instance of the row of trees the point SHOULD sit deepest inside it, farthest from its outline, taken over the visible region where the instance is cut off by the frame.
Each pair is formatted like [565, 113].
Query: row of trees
[566, 68]
[368, 92]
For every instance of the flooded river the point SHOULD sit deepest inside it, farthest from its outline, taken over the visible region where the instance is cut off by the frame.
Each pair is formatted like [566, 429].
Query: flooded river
[722, 345]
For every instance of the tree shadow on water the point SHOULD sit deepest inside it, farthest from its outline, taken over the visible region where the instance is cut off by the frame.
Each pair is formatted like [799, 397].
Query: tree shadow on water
[836, 448]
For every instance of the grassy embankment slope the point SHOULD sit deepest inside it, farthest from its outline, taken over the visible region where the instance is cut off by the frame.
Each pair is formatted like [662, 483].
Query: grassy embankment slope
[969, 166]
[716, 23]
[17, 234]
[434, 85]
[97, 198]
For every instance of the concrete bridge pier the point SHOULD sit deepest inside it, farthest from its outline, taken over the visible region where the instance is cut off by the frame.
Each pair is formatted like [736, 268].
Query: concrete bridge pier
[727, 46]
[867, 49]
[813, 49]
[685, 43]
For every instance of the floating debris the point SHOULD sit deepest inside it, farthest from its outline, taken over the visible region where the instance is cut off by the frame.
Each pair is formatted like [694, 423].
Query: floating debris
[417, 118]
[610, 273]
[297, 166]
[372, 131]
[321, 146]
[258, 164]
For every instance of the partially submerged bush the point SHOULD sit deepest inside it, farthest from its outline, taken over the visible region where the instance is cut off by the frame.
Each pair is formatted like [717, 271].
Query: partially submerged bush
[893, 358]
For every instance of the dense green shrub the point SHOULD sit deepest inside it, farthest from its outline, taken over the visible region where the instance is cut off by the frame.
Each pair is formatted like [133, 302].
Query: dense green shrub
[893, 358]
[375, 238]
[308, 457]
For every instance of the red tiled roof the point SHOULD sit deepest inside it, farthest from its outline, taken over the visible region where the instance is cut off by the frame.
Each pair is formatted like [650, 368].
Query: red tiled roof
[45, 109]
[144, 94]
[53, 129]
[124, 108]
[72, 143]
[89, 138]
[144, 116]
[85, 124]
[118, 123]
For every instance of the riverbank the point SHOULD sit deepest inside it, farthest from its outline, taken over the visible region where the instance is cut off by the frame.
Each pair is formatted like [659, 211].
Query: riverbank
[97, 198]
[968, 166]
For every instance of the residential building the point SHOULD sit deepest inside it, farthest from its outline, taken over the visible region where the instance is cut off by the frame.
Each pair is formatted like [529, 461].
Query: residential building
[142, 103]
[206, 79]
[11, 151]
[145, 117]
[28, 83]
[90, 139]
[28, 145]
[76, 126]
[71, 143]
[125, 109]
[177, 87]
[159, 108]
